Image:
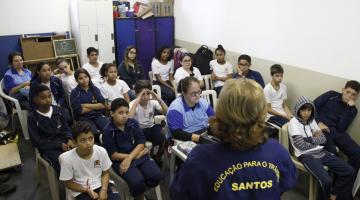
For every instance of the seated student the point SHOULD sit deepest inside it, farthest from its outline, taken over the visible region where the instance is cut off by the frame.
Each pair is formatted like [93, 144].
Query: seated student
[43, 77]
[66, 75]
[113, 87]
[187, 69]
[244, 63]
[48, 130]
[87, 102]
[124, 141]
[17, 80]
[85, 169]
[143, 109]
[335, 112]
[130, 69]
[188, 115]
[243, 165]
[221, 70]
[306, 138]
[93, 66]
[163, 69]
[275, 95]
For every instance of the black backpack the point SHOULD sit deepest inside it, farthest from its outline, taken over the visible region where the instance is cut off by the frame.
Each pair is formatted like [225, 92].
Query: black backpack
[202, 59]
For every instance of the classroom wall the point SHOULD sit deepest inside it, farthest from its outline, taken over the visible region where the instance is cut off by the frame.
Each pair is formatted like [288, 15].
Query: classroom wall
[35, 16]
[321, 36]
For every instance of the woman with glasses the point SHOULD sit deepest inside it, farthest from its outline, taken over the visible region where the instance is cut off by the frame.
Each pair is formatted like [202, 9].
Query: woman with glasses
[187, 69]
[188, 114]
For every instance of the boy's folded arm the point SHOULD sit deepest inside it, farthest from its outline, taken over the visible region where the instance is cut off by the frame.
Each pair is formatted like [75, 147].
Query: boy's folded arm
[301, 144]
[119, 156]
[321, 139]
[75, 186]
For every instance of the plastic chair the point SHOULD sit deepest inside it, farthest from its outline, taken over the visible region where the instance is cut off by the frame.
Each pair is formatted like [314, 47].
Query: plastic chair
[208, 82]
[22, 114]
[51, 174]
[151, 78]
[210, 97]
[284, 140]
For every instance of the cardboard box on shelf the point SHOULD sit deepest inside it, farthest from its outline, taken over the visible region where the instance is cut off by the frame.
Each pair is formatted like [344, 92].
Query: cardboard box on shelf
[167, 9]
[156, 8]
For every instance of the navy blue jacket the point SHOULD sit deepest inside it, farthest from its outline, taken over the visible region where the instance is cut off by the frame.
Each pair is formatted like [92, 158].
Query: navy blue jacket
[130, 77]
[56, 88]
[216, 171]
[254, 75]
[333, 112]
[116, 140]
[79, 96]
[48, 133]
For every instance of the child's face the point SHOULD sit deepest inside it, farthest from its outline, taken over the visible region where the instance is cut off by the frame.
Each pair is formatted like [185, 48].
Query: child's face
[93, 57]
[64, 67]
[83, 80]
[186, 62]
[85, 143]
[120, 115]
[277, 77]
[43, 99]
[146, 96]
[132, 54]
[348, 94]
[45, 73]
[17, 62]
[112, 73]
[165, 54]
[220, 56]
[305, 114]
[243, 66]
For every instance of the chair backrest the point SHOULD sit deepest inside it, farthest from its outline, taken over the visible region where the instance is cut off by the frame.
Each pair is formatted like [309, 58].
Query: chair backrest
[157, 90]
[284, 136]
[208, 82]
[151, 77]
[210, 97]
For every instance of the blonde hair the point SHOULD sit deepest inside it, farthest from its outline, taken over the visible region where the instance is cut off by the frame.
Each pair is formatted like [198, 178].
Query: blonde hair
[240, 114]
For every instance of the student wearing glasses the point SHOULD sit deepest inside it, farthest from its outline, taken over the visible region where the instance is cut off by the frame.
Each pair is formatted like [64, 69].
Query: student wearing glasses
[188, 114]
[187, 69]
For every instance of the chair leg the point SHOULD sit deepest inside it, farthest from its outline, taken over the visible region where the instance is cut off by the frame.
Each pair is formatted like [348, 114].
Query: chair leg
[158, 192]
[37, 169]
[312, 188]
[23, 123]
[53, 183]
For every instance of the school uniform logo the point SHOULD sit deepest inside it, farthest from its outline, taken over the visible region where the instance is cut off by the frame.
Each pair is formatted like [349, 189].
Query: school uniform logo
[97, 164]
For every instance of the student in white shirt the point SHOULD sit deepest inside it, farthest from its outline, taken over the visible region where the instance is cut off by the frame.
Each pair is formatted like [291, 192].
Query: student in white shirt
[93, 66]
[275, 95]
[66, 74]
[113, 87]
[221, 70]
[187, 69]
[163, 69]
[143, 110]
[85, 169]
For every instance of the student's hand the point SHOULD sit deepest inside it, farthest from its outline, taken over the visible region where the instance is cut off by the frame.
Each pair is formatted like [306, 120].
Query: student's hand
[70, 144]
[103, 194]
[142, 153]
[124, 165]
[351, 103]
[92, 194]
[24, 84]
[323, 127]
[318, 133]
[290, 116]
[56, 72]
[64, 146]
[153, 95]
[139, 96]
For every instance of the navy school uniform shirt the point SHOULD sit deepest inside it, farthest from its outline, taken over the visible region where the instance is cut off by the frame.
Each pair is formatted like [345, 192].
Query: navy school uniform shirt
[254, 75]
[56, 88]
[333, 112]
[132, 75]
[215, 171]
[79, 96]
[48, 133]
[116, 140]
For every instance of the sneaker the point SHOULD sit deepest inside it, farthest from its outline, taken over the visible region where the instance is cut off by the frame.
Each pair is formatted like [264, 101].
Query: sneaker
[7, 188]
[4, 178]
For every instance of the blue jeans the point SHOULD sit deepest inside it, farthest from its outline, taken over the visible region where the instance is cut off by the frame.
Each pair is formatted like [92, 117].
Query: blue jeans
[111, 194]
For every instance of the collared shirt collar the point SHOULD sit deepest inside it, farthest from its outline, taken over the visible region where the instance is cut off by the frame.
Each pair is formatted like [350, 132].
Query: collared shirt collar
[186, 107]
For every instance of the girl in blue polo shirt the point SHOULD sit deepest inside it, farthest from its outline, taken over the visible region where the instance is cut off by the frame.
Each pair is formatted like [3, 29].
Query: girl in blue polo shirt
[124, 141]
[245, 165]
[188, 114]
[87, 102]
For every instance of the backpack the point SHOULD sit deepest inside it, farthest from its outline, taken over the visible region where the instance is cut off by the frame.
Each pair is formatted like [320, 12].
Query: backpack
[202, 59]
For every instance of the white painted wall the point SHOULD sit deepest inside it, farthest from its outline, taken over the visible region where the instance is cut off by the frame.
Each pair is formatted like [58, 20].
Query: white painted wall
[322, 35]
[34, 16]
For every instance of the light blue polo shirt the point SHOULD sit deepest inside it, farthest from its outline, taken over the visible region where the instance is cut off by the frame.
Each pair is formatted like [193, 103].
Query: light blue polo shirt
[191, 120]
[12, 78]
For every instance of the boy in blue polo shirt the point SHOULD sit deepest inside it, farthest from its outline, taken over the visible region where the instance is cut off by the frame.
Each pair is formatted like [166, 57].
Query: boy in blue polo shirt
[49, 132]
[244, 63]
[125, 143]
